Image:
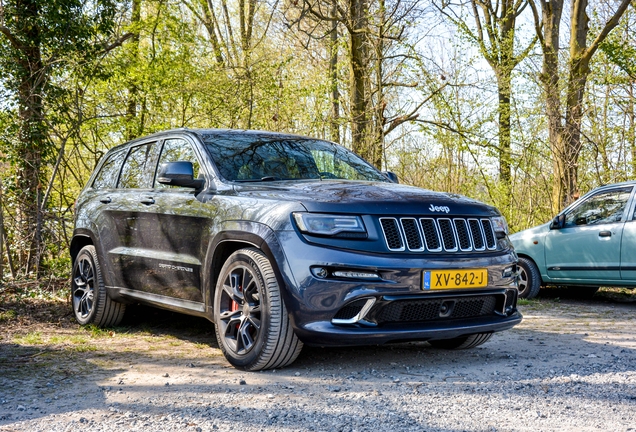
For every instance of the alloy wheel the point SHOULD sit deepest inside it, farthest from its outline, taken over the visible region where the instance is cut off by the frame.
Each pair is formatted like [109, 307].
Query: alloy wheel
[240, 314]
[84, 288]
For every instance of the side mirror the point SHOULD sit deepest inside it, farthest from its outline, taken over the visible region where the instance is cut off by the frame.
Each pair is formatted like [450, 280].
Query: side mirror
[179, 173]
[391, 176]
[558, 222]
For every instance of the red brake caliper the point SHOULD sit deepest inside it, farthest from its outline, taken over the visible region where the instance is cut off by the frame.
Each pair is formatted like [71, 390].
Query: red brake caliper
[234, 306]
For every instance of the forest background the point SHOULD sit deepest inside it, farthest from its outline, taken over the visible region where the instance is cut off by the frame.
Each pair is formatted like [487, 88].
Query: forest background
[524, 104]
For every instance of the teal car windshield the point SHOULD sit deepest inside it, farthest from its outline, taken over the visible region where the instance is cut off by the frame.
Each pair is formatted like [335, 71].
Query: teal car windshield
[253, 158]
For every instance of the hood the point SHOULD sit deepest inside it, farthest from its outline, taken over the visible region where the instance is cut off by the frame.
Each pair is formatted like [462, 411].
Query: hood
[335, 196]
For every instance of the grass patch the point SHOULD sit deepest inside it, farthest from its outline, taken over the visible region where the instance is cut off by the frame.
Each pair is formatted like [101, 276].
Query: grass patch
[34, 338]
[82, 348]
[8, 315]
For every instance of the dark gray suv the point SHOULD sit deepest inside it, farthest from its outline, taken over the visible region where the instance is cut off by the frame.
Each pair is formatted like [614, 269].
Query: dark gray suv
[281, 240]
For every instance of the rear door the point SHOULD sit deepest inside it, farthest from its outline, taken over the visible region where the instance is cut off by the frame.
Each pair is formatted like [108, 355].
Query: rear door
[588, 247]
[130, 242]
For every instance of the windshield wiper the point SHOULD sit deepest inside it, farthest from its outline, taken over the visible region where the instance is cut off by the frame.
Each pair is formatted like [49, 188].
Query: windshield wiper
[262, 179]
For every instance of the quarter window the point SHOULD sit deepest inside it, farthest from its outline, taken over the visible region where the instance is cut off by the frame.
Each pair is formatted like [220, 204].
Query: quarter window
[107, 175]
[602, 208]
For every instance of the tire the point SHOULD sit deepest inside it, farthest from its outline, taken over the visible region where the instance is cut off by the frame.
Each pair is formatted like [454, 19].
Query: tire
[529, 281]
[463, 342]
[582, 291]
[91, 304]
[250, 319]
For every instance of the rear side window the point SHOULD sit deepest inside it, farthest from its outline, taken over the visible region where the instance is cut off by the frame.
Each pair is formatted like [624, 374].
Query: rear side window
[139, 168]
[107, 175]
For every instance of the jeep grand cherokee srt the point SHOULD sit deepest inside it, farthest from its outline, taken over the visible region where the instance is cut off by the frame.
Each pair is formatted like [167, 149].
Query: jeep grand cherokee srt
[281, 240]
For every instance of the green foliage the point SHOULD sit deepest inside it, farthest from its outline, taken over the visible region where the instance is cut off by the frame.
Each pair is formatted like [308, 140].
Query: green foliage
[165, 72]
[620, 52]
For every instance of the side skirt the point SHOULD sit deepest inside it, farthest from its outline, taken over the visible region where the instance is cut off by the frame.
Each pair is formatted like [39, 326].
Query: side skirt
[170, 303]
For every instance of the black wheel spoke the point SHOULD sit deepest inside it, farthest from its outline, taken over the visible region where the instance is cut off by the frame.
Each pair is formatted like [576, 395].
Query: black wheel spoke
[255, 322]
[84, 288]
[240, 312]
[229, 316]
[229, 291]
[245, 330]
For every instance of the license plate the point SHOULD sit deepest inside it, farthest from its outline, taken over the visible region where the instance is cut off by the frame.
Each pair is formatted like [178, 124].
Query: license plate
[452, 279]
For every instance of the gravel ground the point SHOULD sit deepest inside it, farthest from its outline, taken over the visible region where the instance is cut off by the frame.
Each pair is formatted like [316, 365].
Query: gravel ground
[570, 366]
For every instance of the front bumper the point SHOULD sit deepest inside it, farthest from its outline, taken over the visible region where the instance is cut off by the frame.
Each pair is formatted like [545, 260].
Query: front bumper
[326, 334]
[345, 311]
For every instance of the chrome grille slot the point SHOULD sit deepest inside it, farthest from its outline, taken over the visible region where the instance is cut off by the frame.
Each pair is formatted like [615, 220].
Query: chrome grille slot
[392, 234]
[448, 235]
[489, 234]
[476, 234]
[412, 234]
[438, 234]
[431, 236]
[462, 234]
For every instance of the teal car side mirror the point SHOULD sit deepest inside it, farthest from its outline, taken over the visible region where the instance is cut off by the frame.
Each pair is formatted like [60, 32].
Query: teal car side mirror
[558, 222]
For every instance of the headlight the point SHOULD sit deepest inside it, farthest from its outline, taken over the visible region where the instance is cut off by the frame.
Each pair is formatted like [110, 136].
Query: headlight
[500, 224]
[326, 224]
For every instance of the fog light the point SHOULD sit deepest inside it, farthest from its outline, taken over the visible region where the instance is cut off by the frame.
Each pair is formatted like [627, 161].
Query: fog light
[508, 272]
[355, 274]
[320, 272]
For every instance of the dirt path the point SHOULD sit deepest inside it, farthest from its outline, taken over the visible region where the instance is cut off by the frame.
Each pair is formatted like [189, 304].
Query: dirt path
[569, 366]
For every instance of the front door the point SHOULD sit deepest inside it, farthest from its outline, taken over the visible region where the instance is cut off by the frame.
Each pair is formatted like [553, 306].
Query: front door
[588, 247]
[175, 234]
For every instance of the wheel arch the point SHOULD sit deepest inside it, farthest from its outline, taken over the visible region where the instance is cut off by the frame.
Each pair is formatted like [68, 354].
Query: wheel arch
[540, 266]
[227, 242]
[80, 239]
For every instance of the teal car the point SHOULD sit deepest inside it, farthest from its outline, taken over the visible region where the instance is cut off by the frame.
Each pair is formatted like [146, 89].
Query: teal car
[589, 244]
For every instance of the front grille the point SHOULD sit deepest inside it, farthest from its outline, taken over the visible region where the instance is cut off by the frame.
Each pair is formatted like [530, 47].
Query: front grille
[438, 235]
[430, 309]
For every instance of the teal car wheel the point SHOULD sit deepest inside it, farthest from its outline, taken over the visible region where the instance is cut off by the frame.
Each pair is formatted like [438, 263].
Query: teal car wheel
[529, 281]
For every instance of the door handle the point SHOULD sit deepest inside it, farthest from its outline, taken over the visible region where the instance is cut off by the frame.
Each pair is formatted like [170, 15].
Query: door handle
[605, 234]
[106, 200]
[147, 201]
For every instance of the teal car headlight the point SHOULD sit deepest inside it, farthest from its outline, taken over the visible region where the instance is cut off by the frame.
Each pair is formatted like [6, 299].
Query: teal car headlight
[329, 225]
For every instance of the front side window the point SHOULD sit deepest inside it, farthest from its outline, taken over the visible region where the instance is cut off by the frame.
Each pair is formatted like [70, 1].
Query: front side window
[139, 168]
[107, 175]
[177, 150]
[601, 208]
[245, 158]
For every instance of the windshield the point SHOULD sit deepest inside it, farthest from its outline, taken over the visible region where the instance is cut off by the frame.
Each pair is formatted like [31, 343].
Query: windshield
[256, 158]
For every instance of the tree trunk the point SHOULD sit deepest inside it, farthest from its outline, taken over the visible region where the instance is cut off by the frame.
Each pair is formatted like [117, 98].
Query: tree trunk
[33, 142]
[1, 238]
[504, 95]
[133, 128]
[631, 130]
[377, 138]
[333, 76]
[359, 76]
[565, 139]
